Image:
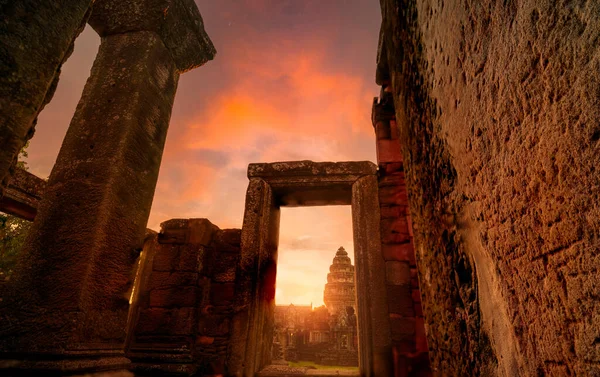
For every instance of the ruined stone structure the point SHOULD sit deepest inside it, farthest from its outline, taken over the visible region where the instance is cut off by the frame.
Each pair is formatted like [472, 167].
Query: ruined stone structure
[496, 106]
[66, 306]
[487, 121]
[180, 320]
[306, 334]
[290, 330]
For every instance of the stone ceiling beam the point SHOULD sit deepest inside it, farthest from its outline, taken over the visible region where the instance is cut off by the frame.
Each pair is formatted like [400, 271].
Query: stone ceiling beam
[22, 196]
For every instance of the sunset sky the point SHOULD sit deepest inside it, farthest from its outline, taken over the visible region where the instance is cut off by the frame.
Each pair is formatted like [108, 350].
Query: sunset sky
[292, 80]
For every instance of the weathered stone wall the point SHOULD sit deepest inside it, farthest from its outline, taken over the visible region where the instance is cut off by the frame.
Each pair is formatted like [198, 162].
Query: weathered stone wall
[181, 314]
[404, 298]
[497, 111]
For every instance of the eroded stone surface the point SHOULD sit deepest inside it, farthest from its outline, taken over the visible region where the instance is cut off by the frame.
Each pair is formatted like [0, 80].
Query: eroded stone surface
[496, 104]
[310, 168]
[178, 22]
[69, 292]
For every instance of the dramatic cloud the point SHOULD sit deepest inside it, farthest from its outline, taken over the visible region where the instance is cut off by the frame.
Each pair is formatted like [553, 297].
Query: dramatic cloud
[292, 80]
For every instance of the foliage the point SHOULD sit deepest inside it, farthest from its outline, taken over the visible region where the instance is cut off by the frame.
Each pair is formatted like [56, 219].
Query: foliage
[22, 156]
[12, 236]
[13, 230]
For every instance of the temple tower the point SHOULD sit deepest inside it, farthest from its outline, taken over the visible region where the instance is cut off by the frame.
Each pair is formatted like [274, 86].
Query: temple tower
[340, 289]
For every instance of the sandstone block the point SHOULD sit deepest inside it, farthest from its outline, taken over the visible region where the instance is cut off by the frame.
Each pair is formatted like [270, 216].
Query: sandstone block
[187, 231]
[388, 151]
[403, 329]
[205, 340]
[420, 335]
[190, 258]
[395, 231]
[416, 295]
[161, 279]
[404, 346]
[397, 273]
[165, 258]
[392, 167]
[174, 297]
[222, 294]
[214, 325]
[399, 252]
[392, 179]
[229, 236]
[418, 309]
[160, 321]
[393, 195]
[393, 211]
[400, 301]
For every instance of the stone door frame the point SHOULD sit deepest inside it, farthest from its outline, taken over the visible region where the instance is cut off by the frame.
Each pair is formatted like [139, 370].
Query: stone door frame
[297, 184]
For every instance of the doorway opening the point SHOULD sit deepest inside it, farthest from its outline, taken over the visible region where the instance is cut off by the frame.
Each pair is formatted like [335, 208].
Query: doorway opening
[315, 318]
[307, 184]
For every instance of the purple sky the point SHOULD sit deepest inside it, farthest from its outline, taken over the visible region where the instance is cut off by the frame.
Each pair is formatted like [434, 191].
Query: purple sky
[292, 80]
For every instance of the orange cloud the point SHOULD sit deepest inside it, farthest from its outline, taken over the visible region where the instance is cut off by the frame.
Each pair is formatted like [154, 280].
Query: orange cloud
[292, 80]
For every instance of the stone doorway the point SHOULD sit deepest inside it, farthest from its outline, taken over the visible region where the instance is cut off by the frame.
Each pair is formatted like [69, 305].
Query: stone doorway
[297, 184]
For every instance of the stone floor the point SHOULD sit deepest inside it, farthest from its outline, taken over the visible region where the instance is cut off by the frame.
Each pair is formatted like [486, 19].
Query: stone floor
[285, 371]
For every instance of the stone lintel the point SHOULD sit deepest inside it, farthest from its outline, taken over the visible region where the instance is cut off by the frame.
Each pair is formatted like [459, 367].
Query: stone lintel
[307, 183]
[178, 22]
[310, 169]
[23, 195]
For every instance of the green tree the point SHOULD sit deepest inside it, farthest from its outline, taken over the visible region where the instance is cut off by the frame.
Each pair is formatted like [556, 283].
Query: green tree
[13, 230]
[12, 236]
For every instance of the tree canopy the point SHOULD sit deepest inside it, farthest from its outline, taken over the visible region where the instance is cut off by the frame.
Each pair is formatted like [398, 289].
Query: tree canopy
[13, 230]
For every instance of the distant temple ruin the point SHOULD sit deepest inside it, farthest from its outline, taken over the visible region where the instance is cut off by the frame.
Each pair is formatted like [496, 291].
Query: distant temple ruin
[328, 334]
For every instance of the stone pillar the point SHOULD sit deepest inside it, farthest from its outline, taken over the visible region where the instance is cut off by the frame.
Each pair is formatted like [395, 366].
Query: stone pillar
[68, 299]
[255, 284]
[374, 327]
[36, 37]
[410, 351]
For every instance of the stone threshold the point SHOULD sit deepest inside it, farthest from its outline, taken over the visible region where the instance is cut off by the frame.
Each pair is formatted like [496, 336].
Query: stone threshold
[285, 371]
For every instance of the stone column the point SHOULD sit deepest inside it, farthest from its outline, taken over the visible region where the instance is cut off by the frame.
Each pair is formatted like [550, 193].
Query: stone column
[36, 37]
[68, 299]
